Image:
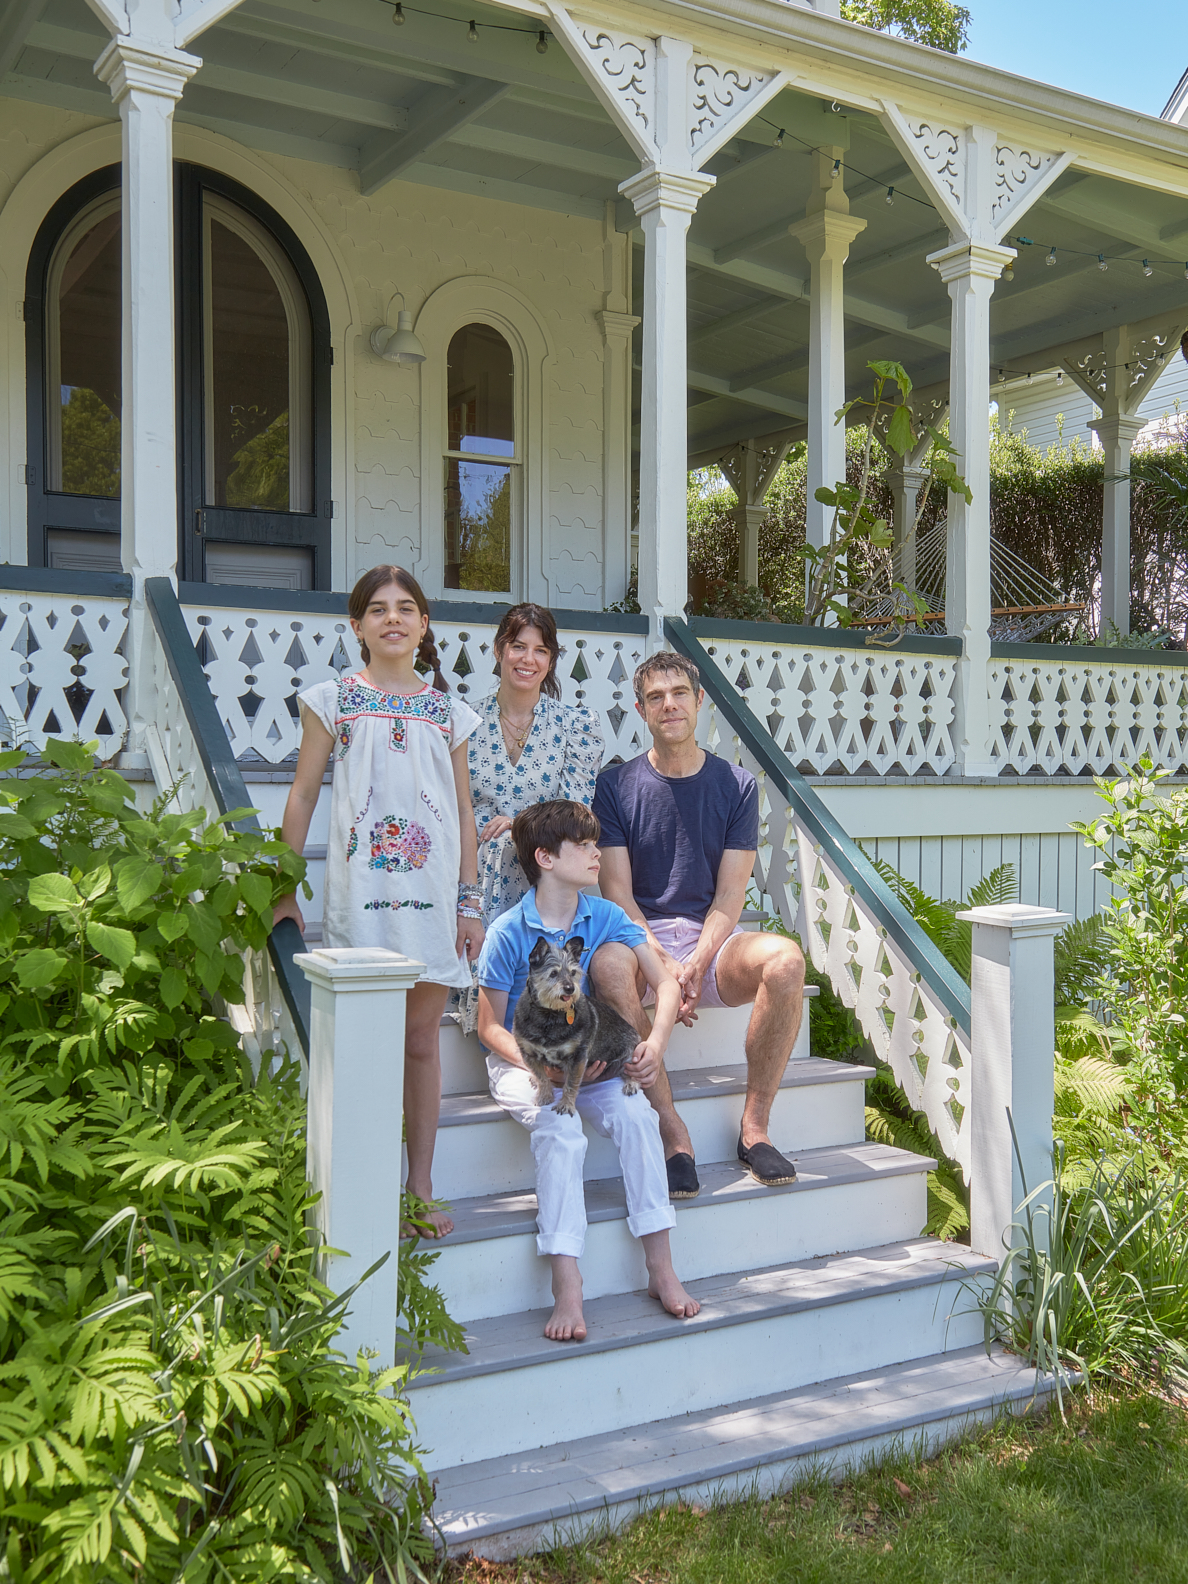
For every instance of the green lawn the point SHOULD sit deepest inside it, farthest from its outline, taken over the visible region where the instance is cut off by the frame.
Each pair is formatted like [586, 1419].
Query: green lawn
[1103, 1498]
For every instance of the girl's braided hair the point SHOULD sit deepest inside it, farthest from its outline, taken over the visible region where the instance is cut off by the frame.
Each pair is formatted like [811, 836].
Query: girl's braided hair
[365, 591]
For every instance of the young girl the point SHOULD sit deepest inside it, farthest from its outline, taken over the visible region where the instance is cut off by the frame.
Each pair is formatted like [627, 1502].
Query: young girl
[401, 865]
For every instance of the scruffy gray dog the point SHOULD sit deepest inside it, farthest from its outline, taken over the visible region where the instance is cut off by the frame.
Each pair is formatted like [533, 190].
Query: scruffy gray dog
[555, 1025]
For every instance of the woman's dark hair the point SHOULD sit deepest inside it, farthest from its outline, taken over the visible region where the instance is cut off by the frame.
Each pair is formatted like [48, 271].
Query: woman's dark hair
[513, 624]
[365, 591]
[547, 825]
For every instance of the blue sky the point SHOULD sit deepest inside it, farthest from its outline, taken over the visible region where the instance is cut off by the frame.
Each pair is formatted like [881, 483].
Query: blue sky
[1130, 55]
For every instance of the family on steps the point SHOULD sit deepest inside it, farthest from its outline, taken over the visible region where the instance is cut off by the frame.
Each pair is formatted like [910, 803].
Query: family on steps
[463, 837]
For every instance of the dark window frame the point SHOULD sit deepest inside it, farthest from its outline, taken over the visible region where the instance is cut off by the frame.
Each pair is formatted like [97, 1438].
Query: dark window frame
[197, 523]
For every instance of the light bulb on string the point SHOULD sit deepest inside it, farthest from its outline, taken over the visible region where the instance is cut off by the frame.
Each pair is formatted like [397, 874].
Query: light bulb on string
[1002, 376]
[542, 43]
[778, 142]
[890, 196]
[1147, 270]
[837, 167]
[472, 33]
[1060, 376]
[1029, 376]
[1101, 263]
[1008, 271]
[1051, 258]
[397, 15]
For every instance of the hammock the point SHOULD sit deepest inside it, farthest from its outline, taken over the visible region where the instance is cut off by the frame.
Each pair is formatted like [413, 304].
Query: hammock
[1023, 604]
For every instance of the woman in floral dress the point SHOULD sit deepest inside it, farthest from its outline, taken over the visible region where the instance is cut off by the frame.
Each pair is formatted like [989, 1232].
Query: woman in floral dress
[527, 748]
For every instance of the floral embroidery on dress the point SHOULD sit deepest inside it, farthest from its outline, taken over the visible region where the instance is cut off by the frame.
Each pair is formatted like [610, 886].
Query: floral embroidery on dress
[344, 738]
[398, 845]
[409, 902]
[357, 699]
[352, 845]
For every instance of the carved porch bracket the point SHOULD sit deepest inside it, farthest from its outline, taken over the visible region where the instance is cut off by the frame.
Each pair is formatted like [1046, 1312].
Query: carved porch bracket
[674, 106]
[981, 186]
[1118, 373]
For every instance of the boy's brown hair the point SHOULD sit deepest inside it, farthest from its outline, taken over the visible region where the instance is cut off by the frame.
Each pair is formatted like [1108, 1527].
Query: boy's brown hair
[547, 825]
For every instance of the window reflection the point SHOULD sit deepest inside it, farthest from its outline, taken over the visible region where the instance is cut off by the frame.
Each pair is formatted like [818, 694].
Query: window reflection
[258, 411]
[83, 356]
[479, 485]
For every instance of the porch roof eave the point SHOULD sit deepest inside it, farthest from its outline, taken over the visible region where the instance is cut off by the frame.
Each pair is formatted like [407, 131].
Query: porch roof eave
[868, 67]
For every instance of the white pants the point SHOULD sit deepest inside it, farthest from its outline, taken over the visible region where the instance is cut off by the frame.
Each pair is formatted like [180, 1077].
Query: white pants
[559, 1150]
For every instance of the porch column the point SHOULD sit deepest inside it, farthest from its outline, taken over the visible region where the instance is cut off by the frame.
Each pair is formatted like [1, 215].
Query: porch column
[969, 270]
[616, 451]
[146, 83]
[664, 200]
[825, 234]
[1117, 434]
[906, 483]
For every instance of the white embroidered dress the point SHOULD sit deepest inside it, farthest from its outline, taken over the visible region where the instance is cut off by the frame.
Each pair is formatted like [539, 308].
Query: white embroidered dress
[394, 850]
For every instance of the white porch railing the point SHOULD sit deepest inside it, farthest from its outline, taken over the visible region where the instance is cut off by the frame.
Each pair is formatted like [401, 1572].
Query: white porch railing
[1065, 710]
[62, 670]
[837, 705]
[910, 1002]
[258, 650]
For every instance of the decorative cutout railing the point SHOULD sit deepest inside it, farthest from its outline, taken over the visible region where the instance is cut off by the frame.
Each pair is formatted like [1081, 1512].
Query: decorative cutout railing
[1059, 709]
[837, 704]
[62, 667]
[259, 649]
[189, 752]
[909, 1000]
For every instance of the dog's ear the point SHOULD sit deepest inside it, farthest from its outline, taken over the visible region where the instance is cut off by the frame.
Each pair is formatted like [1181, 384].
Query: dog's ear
[538, 953]
[574, 947]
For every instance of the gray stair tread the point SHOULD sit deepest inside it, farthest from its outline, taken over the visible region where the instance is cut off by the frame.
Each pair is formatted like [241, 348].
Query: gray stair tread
[620, 1320]
[722, 1182]
[557, 1482]
[693, 1083]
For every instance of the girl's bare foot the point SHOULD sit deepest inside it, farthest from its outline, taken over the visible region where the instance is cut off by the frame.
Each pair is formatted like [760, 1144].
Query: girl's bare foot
[423, 1220]
[666, 1287]
[566, 1323]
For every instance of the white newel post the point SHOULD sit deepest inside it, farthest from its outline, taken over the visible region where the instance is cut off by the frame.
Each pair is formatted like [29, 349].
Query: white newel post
[1013, 1061]
[664, 201]
[826, 233]
[1117, 434]
[355, 1108]
[969, 270]
[906, 483]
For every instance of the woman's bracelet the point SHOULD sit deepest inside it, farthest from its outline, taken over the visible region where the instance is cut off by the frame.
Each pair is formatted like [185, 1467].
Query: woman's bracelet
[469, 891]
[470, 913]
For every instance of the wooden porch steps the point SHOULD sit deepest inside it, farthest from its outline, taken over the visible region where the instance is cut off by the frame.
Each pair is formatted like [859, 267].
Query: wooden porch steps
[830, 1327]
[502, 1507]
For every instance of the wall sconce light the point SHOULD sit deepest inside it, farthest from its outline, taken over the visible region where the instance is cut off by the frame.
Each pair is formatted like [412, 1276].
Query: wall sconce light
[400, 345]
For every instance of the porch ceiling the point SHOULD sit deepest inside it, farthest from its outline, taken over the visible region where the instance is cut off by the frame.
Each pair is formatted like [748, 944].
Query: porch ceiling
[337, 83]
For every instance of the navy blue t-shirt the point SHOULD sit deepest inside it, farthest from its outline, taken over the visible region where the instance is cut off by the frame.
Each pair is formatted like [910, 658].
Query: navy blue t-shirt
[675, 830]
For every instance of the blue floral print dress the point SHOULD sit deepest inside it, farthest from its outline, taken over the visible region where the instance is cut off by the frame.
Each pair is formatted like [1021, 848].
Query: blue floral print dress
[561, 759]
[394, 849]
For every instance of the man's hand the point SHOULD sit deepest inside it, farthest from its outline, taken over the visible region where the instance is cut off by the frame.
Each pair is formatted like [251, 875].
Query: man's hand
[644, 1066]
[593, 1071]
[498, 825]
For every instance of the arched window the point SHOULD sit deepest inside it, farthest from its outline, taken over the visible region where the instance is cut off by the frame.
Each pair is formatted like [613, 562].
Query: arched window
[482, 483]
[253, 364]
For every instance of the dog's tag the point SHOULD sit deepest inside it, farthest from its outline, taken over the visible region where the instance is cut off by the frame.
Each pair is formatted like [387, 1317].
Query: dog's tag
[569, 1016]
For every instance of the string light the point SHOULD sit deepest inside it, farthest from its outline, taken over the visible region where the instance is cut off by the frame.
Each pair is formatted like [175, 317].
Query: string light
[400, 13]
[778, 142]
[1060, 375]
[542, 42]
[837, 167]
[1008, 271]
[472, 33]
[890, 196]
[1147, 270]
[1029, 376]
[397, 15]
[1051, 258]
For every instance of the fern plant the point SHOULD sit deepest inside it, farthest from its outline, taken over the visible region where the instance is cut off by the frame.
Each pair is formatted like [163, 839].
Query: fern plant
[172, 1405]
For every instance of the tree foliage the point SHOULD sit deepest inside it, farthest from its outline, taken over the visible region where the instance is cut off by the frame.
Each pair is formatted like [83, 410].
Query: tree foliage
[938, 23]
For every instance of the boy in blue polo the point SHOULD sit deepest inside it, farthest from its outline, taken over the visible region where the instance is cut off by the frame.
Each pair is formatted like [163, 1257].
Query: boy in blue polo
[556, 845]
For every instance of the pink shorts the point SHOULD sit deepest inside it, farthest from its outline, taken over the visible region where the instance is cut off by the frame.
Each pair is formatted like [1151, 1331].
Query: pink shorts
[679, 936]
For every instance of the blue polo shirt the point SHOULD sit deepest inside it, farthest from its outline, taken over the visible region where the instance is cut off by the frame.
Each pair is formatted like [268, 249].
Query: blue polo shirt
[503, 961]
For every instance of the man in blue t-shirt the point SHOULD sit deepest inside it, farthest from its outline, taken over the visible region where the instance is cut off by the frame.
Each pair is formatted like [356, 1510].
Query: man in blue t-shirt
[680, 828]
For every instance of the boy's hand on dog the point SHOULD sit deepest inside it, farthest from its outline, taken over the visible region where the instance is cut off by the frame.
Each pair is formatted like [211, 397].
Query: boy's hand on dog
[644, 1066]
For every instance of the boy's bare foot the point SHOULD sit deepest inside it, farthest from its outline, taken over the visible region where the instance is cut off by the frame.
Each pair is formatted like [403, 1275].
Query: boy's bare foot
[429, 1221]
[666, 1287]
[567, 1322]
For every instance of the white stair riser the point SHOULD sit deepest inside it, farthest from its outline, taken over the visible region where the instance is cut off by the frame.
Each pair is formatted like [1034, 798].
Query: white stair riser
[758, 1483]
[477, 1158]
[718, 1036]
[270, 797]
[544, 1404]
[504, 1275]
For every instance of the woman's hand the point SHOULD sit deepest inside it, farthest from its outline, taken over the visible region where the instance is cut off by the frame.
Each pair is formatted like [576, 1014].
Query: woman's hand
[470, 938]
[287, 908]
[498, 825]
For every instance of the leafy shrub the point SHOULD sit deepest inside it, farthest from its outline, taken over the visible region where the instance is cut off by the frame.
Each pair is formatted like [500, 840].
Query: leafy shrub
[171, 1403]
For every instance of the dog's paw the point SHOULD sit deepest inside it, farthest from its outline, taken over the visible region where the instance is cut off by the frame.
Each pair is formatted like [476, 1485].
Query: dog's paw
[630, 1088]
[563, 1108]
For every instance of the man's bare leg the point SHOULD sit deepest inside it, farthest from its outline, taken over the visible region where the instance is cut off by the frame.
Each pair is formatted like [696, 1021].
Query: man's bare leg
[662, 1279]
[615, 975]
[768, 970]
[567, 1323]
